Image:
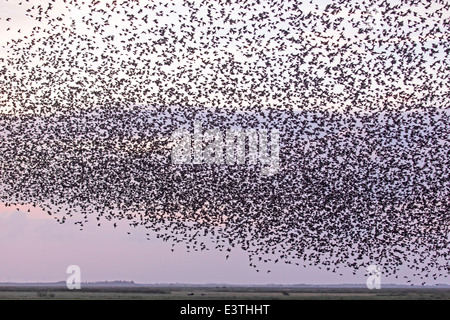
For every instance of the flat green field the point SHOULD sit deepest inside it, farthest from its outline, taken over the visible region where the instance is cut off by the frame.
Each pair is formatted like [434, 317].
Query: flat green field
[217, 293]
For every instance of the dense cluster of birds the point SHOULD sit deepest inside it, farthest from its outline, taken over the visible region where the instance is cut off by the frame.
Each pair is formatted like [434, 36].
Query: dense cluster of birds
[359, 91]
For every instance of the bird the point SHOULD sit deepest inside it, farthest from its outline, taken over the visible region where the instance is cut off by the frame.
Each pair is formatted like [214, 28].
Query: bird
[358, 106]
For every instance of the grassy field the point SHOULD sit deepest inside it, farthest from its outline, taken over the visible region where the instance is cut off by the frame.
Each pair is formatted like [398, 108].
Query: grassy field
[217, 293]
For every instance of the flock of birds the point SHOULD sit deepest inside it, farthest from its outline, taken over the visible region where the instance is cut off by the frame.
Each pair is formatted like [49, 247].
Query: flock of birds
[359, 91]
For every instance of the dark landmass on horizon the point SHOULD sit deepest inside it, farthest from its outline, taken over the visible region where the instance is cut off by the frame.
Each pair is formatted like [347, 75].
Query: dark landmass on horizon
[119, 283]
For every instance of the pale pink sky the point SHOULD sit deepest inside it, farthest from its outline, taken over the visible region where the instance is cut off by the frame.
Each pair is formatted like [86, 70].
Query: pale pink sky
[34, 247]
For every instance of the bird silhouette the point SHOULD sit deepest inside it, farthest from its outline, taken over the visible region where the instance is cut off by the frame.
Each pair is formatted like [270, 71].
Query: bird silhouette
[360, 101]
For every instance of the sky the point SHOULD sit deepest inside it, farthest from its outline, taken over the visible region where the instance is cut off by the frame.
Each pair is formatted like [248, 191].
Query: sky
[35, 248]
